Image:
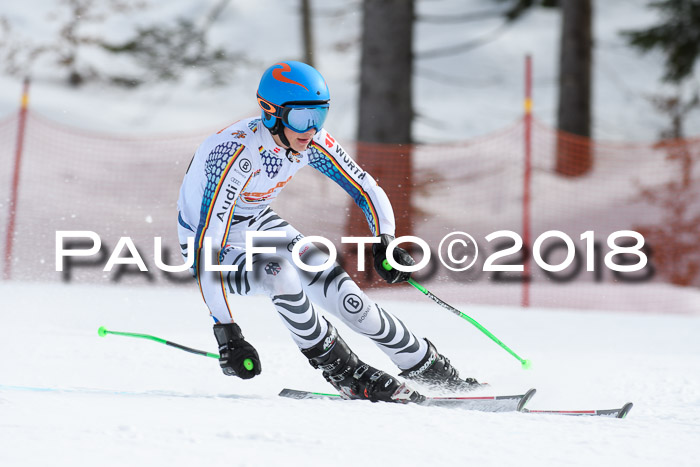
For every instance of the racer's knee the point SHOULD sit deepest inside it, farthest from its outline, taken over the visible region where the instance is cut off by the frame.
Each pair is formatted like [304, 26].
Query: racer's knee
[277, 276]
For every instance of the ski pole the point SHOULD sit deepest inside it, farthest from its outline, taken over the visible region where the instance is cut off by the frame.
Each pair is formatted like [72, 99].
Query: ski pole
[102, 332]
[526, 364]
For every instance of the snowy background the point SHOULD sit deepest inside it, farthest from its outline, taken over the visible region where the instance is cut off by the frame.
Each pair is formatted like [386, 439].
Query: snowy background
[68, 397]
[458, 97]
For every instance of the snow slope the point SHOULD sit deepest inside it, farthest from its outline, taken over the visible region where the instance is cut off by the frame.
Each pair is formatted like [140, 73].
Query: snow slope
[68, 397]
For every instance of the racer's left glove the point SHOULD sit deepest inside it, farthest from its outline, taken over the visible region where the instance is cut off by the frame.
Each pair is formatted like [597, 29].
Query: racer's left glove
[401, 256]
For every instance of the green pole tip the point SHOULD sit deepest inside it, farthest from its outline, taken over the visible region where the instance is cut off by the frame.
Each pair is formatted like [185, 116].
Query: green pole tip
[527, 364]
[248, 364]
[102, 331]
[386, 265]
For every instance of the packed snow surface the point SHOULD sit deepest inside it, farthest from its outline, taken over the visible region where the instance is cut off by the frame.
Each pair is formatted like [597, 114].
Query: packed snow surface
[69, 397]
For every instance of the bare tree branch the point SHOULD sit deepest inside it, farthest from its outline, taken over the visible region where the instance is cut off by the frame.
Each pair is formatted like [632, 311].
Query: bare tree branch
[159, 52]
[464, 47]
[463, 18]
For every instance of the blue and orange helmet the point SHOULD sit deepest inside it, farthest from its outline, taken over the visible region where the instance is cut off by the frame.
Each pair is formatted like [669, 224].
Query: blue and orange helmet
[295, 95]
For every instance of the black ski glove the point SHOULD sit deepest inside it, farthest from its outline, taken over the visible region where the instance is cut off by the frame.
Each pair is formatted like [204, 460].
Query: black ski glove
[234, 351]
[401, 256]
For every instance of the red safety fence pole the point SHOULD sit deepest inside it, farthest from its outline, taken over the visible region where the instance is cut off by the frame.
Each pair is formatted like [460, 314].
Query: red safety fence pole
[14, 191]
[527, 175]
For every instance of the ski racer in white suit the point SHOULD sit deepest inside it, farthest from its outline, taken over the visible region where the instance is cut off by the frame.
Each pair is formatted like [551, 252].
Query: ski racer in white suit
[234, 176]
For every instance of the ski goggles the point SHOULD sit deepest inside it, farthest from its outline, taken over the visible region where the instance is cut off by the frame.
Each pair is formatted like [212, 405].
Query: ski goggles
[299, 117]
[302, 119]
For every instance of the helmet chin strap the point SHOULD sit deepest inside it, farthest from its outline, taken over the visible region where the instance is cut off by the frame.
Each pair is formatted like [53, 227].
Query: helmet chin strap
[278, 130]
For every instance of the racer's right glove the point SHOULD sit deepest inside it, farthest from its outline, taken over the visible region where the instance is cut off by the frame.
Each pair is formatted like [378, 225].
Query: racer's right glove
[236, 356]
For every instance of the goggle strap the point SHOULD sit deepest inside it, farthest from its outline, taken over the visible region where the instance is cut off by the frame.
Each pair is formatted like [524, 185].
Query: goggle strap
[269, 108]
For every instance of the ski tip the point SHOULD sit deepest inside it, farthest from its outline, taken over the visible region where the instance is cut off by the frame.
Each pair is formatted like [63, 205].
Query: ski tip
[625, 410]
[525, 399]
[293, 393]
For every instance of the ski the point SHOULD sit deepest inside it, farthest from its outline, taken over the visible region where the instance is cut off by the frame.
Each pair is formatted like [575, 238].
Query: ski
[514, 403]
[616, 413]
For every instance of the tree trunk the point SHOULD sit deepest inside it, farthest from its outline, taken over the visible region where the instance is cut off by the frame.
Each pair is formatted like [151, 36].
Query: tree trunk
[574, 155]
[385, 113]
[307, 32]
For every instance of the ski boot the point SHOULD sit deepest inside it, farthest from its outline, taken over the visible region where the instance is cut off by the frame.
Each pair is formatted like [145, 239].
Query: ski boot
[353, 378]
[436, 371]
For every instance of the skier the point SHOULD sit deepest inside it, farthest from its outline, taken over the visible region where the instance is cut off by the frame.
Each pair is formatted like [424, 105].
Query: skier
[234, 176]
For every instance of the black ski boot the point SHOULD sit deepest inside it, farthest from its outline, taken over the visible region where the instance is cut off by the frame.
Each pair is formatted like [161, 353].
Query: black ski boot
[436, 371]
[351, 377]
